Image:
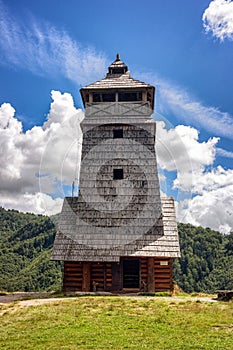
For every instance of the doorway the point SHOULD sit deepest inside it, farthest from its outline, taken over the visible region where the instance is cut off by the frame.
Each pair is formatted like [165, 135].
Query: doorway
[131, 273]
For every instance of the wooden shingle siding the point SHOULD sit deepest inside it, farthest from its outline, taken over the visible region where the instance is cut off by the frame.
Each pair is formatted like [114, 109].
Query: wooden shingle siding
[164, 242]
[118, 233]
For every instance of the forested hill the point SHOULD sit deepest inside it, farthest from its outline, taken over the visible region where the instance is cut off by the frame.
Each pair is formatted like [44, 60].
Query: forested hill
[26, 240]
[206, 262]
[25, 246]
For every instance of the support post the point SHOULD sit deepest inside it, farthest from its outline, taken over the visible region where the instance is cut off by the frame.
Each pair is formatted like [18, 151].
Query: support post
[150, 275]
[86, 284]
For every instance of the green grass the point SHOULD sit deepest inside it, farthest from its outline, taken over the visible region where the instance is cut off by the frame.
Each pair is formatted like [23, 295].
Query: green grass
[117, 323]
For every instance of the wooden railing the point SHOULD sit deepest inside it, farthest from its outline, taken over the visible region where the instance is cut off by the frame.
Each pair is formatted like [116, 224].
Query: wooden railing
[117, 108]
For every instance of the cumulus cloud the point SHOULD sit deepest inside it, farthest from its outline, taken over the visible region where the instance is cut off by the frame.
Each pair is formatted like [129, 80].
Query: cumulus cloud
[45, 50]
[213, 208]
[37, 164]
[209, 190]
[218, 19]
[38, 203]
[178, 149]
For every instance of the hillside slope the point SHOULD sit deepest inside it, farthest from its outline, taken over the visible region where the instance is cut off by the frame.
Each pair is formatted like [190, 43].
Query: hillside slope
[206, 262]
[26, 240]
[25, 246]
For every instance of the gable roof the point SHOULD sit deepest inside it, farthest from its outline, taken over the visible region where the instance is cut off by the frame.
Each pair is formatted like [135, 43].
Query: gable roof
[162, 241]
[117, 81]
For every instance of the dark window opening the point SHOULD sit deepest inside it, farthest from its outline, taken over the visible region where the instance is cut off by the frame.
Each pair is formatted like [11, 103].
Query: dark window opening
[110, 97]
[118, 70]
[129, 96]
[131, 273]
[118, 174]
[142, 183]
[118, 134]
[96, 97]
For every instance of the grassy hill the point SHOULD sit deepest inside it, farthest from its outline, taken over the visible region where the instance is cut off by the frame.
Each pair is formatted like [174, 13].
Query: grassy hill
[117, 323]
[26, 240]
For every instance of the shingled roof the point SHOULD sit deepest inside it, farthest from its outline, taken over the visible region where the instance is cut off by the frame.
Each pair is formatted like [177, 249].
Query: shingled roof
[163, 242]
[118, 77]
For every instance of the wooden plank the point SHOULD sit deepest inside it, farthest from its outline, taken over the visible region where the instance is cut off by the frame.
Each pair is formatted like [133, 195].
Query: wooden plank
[72, 276]
[150, 276]
[163, 275]
[116, 276]
[86, 284]
[105, 277]
[73, 279]
[171, 275]
[143, 274]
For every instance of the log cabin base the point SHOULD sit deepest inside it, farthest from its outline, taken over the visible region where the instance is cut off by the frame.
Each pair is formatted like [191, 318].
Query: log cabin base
[130, 275]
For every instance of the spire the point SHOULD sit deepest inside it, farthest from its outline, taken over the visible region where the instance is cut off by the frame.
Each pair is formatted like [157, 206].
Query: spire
[117, 57]
[117, 67]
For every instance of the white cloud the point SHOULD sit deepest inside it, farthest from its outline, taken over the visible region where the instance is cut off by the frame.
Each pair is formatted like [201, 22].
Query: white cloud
[38, 203]
[209, 191]
[179, 150]
[28, 185]
[175, 100]
[44, 50]
[49, 154]
[12, 158]
[217, 178]
[218, 19]
[213, 208]
[224, 153]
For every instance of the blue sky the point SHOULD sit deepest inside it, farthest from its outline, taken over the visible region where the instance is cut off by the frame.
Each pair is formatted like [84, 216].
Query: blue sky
[184, 48]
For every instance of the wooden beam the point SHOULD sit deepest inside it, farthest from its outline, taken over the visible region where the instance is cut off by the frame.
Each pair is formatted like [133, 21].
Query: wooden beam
[150, 276]
[90, 97]
[86, 284]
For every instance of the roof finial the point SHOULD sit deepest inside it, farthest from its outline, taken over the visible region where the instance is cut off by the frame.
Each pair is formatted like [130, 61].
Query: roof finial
[118, 57]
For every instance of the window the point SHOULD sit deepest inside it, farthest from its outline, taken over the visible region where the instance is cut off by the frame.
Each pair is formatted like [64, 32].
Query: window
[96, 97]
[118, 70]
[103, 97]
[118, 174]
[118, 133]
[142, 183]
[110, 97]
[129, 96]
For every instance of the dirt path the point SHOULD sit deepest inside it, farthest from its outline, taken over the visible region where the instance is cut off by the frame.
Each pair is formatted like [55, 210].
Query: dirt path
[9, 298]
[30, 299]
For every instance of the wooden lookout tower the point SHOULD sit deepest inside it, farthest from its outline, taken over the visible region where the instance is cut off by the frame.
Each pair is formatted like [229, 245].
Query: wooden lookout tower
[118, 235]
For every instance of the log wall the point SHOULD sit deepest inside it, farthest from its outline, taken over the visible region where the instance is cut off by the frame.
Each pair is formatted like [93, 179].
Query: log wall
[72, 276]
[155, 276]
[163, 275]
